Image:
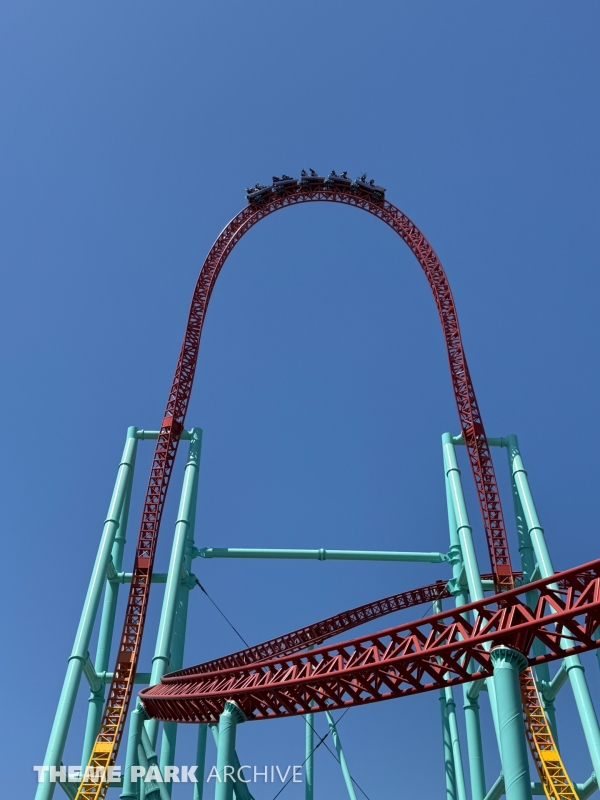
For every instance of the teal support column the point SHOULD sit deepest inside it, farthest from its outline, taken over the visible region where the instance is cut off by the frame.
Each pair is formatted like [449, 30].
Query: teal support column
[447, 750]
[461, 540]
[162, 652]
[240, 788]
[459, 776]
[107, 626]
[573, 664]
[169, 736]
[79, 653]
[200, 761]
[309, 762]
[475, 745]
[508, 663]
[136, 722]
[526, 552]
[342, 758]
[309, 754]
[463, 527]
[226, 778]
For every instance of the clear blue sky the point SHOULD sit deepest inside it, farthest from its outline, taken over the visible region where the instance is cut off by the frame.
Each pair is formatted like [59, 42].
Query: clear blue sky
[128, 133]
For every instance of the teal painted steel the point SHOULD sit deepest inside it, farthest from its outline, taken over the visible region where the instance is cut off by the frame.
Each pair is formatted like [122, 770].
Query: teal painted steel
[508, 663]
[585, 790]
[309, 754]
[497, 789]
[240, 788]
[200, 761]
[528, 566]
[463, 527]
[573, 665]
[319, 555]
[107, 621]
[342, 758]
[309, 763]
[169, 737]
[459, 775]
[447, 750]
[228, 721]
[136, 722]
[79, 653]
[461, 540]
[162, 651]
[153, 790]
[474, 746]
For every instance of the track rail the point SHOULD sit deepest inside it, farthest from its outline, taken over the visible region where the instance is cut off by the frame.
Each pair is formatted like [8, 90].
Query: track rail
[441, 650]
[109, 737]
[318, 632]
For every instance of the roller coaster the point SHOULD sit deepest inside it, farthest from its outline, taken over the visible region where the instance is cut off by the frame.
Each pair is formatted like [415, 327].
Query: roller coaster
[500, 643]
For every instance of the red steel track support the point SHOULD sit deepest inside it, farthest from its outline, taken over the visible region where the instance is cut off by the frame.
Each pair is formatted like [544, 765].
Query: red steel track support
[113, 720]
[318, 632]
[442, 650]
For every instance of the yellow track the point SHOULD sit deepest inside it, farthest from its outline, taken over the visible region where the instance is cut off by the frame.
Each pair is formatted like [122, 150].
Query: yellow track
[553, 775]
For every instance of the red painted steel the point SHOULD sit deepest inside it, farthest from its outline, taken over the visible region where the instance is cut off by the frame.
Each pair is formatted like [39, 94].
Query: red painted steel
[318, 632]
[442, 650]
[113, 720]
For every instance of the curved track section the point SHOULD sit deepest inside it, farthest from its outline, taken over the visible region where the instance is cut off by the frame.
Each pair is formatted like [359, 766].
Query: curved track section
[318, 632]
[440, 650]
[111, 729]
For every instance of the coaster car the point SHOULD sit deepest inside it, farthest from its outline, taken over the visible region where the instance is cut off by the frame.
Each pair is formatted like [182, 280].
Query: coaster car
[378, 192]
[257, 193]
[311, 180]
[338, 180]
[283, 183]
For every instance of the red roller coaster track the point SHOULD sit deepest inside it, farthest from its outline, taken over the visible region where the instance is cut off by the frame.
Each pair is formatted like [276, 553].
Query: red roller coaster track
[440, 650]
[111, 729]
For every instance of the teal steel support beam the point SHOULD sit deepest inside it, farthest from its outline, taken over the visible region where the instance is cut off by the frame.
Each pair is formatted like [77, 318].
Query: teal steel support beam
[528, 566]
[461, 542]
[200, 761]
[553, 687]
[240, 788]
[151, 789]
[169, 736]
[309, 758]
[573, 664]
[79, 653]
[463, 527]
[342, 758]
[107, 625]
[136, 723]
[461, 790]
[162, 652]
[125, 577]
[585, 790]
[497, 789]
[184, 435]
[309, 754]
[319, 555]
[508, 663]
[447, 750]
[231, 717]
[474, 746]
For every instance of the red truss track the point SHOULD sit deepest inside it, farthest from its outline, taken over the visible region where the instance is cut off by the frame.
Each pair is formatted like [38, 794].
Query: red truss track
[326, 628]
[119, 695]
[441, 650]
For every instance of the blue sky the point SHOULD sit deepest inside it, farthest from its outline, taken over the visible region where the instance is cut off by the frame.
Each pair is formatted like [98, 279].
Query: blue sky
[128, 134]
